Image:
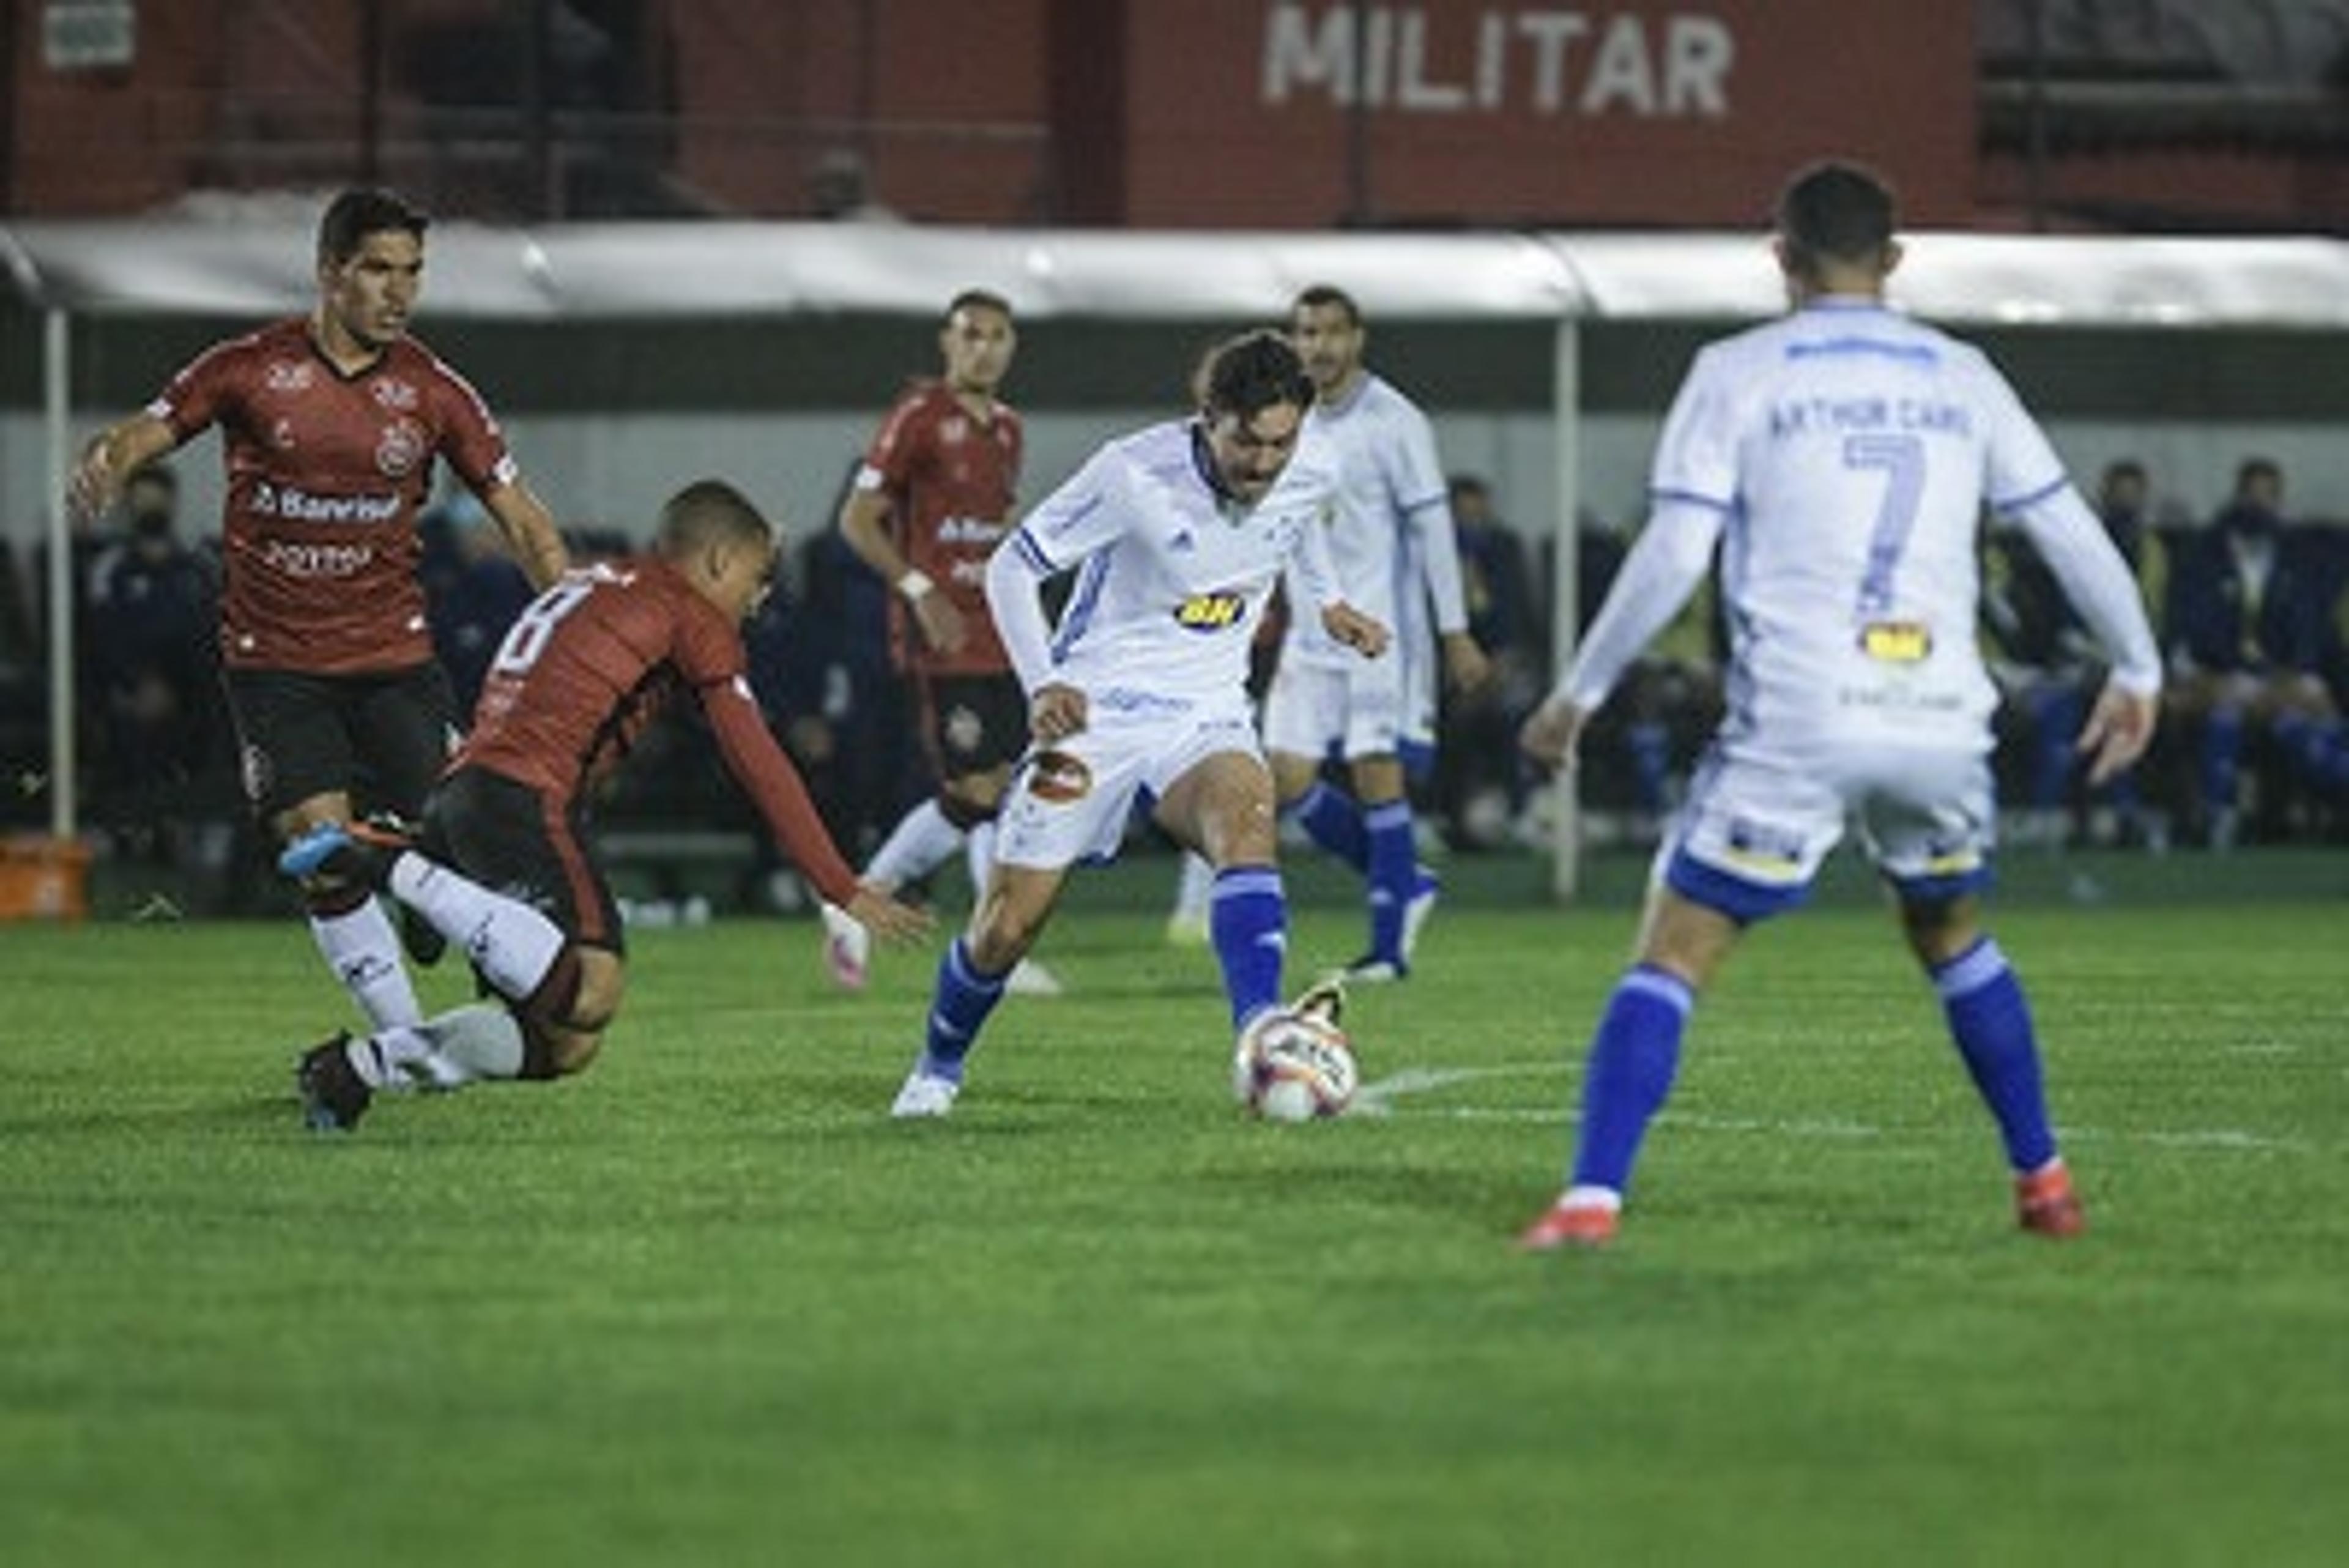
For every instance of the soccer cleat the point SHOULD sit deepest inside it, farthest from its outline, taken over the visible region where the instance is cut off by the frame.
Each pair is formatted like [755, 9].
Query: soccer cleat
[2045, 1204]
[847, 947]
[334, 1096]
[1372, 970]
[357, 851]
[1424, 892]
[1325, 998]
[1581, 1224]
[1029, 978]
[924, 1095]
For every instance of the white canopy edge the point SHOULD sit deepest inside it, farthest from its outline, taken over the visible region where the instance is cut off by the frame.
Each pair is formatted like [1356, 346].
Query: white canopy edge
[182, 266]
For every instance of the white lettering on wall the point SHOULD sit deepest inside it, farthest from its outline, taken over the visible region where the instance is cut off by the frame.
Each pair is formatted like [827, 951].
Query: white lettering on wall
[1434, 59]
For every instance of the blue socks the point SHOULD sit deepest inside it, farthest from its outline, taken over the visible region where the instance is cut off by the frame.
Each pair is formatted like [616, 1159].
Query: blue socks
[1629, 1071]
[1991, 1023]
[1394, 872]
[1247, 920]
[1331, 820]
[958, 1007]
[1376, 842]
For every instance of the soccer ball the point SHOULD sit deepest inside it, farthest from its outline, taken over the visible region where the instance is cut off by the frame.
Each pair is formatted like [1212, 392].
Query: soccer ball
[1294, 1066]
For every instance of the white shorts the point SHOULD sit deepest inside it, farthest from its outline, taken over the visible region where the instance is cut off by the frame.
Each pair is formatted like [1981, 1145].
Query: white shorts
[1754, 829]
[1314, 710]
[1070, 800]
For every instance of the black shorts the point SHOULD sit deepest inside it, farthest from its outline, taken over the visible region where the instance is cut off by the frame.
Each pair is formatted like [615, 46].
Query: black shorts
[383, 737]
[513, 840]
[973, 723]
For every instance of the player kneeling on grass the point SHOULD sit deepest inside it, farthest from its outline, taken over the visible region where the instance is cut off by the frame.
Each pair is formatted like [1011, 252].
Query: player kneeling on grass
[1178, 535]
[581, 671]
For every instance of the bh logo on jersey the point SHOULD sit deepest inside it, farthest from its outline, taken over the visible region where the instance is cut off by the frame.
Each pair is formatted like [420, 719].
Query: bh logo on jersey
[1211, 611]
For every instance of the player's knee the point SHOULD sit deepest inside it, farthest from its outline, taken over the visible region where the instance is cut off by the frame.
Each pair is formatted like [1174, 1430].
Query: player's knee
[1002, 931]
[1939, 929]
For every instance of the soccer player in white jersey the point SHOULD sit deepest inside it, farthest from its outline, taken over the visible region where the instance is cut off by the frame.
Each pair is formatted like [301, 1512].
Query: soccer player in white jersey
[1841, 457]
[1397, 559]
[1178, 533]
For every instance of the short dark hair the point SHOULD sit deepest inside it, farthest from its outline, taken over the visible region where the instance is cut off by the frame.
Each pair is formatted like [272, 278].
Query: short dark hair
[976, 299]
[709, 512]
[1246, 374]
[2253, 468]
[1314, 296]
[362, 210]
[1835, 209]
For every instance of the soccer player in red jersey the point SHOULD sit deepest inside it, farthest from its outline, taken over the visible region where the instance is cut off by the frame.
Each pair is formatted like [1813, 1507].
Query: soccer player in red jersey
[329, 426]
[577, 678]
[931, 501]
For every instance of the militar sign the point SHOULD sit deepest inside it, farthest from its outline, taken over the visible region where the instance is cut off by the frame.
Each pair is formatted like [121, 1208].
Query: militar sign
[1288, 113]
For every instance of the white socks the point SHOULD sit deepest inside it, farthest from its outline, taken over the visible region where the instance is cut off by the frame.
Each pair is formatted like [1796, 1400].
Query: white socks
[511, 943]
[479, 1041]
[363, 949]
[920, 842]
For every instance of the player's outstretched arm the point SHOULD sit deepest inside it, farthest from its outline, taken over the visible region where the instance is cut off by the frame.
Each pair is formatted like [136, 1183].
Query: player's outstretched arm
[1552, 733]
[880, 913]
[1055, 711]
[110, 458]
[530, 533]
[1364, 634]
[2120, 728]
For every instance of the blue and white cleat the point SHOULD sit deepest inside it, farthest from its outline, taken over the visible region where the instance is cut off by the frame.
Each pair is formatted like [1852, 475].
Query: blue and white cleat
[357, 852]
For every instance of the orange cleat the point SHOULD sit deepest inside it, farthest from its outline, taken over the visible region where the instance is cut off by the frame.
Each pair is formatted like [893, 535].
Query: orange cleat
[2045, 1203]
[1564, 1224]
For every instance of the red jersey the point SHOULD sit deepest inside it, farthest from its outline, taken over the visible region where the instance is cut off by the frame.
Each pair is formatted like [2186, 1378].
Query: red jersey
[951, 480]
[589, 663]
[326, 473]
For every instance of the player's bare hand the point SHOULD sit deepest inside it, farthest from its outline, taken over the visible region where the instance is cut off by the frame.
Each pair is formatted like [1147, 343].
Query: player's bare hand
[886, 918]
[942, 623]
[90, 488]
[2120, 728]
[1055, 712]
[1552, 733]
[1348, 626]
[1465, 667]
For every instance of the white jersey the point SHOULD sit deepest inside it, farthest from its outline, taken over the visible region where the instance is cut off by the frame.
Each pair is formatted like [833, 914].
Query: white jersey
[1849, 452]
[1174, 576]
[1391, 535]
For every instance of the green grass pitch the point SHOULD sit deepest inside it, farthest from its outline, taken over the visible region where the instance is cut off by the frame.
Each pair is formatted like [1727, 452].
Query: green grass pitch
[706, 1305]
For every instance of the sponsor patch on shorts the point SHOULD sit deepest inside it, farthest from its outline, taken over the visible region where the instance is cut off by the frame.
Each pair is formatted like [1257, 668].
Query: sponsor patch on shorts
[1059, 778]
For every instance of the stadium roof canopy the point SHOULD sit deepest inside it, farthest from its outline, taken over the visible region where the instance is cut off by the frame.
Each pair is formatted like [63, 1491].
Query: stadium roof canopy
[617, 271]
[257, 263]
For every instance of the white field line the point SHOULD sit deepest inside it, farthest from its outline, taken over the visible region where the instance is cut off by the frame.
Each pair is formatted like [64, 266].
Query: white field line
[1379, 1100]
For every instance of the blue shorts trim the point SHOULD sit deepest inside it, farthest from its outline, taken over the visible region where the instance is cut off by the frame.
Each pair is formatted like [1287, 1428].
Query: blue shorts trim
[1742, 901]
[1941, 889]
